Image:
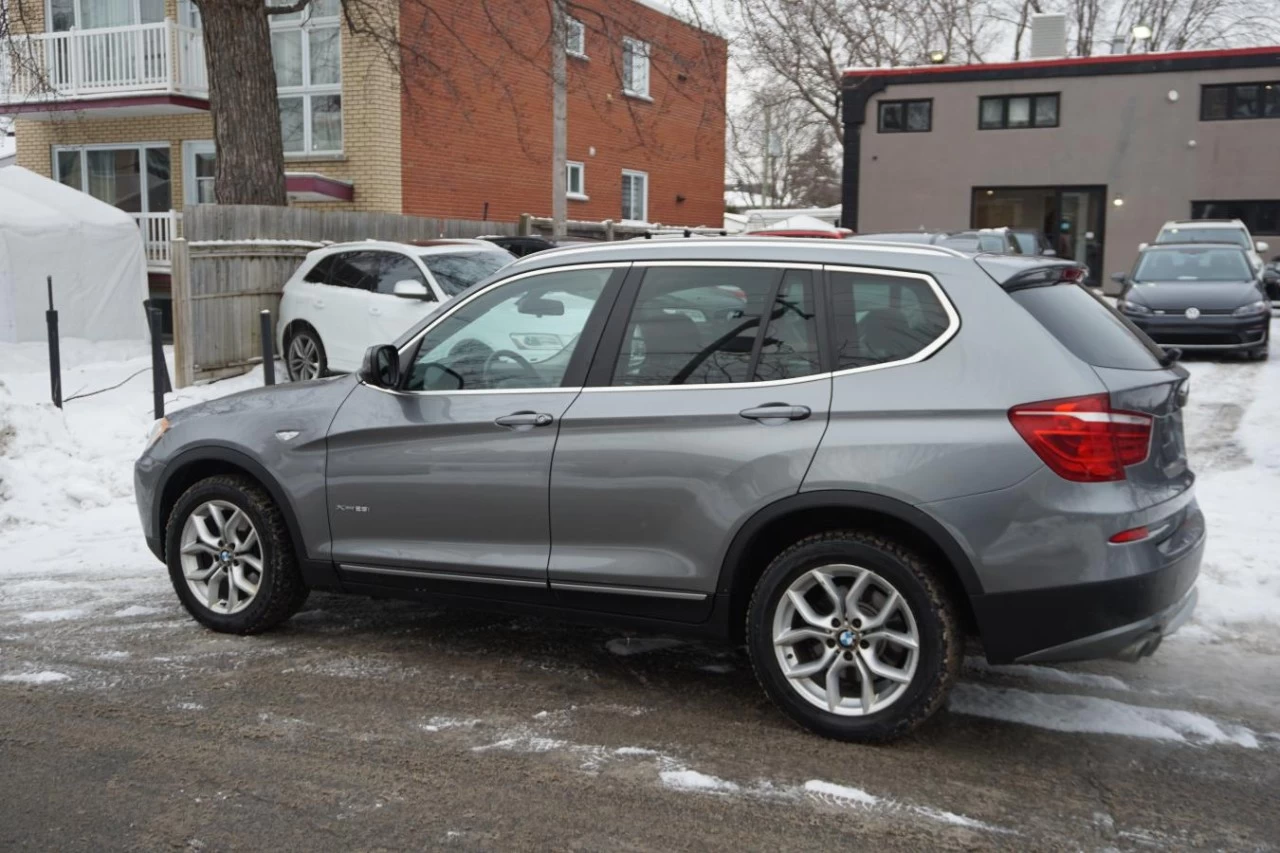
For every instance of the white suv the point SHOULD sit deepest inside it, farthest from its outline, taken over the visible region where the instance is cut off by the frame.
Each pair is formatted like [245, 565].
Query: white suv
[1214, 231]
[347, 297]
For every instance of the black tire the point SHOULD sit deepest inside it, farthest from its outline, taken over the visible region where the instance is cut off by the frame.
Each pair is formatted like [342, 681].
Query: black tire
[301, 331]
[281, 591]
[940, 639]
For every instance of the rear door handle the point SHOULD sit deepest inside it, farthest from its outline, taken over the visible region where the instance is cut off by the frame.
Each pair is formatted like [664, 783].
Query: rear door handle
[525, 420]
[776, 412]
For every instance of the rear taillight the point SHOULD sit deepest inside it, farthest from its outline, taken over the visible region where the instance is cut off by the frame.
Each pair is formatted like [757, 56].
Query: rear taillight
[1082, 438]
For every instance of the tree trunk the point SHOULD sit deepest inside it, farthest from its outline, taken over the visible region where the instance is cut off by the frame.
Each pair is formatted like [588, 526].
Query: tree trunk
[242, 101]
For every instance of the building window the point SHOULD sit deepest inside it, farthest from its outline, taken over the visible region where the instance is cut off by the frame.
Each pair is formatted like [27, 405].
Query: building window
[575, 181]
[1260, 216]
[1240, 100]
[134, 178]
[635, 68]
[575, 38]
[307, 48]
[906, 116]
[635, 196]
[1012, 111]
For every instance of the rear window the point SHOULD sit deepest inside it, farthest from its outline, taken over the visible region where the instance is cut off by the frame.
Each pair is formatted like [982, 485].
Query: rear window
[1084, 324]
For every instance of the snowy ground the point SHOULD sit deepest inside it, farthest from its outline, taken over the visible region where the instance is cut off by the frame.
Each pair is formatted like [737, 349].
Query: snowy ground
[401, 721]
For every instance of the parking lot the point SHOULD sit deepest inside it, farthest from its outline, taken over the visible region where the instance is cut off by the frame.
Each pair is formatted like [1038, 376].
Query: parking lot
[386, 725]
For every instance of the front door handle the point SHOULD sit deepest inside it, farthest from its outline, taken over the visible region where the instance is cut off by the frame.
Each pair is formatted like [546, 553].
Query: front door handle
[525, 420]
[776, 412]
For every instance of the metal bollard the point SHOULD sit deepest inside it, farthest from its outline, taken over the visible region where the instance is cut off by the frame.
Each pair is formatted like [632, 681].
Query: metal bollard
[159, 373]
[55, 353]
[268, 348]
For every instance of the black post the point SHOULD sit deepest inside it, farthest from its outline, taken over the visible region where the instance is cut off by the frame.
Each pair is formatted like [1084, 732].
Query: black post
[159, 373]
[55, 354]
[268, 349]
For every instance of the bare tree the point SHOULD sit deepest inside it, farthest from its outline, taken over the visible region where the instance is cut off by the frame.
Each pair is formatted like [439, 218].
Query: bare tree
[779, 153]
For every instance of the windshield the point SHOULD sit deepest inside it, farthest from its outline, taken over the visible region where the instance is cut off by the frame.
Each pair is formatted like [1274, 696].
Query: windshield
[456, 271]
[1193, 265]
[1203, 235]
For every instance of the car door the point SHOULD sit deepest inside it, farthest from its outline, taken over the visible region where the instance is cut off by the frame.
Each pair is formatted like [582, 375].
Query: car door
[693, 419]
[339, 308]
[390, 316]
[445, 479]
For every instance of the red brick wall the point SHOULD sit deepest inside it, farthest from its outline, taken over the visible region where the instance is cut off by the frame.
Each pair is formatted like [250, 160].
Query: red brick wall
[476, 123]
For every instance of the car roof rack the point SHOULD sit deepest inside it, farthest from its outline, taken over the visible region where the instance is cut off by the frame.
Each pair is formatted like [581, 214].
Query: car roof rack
[668, 233]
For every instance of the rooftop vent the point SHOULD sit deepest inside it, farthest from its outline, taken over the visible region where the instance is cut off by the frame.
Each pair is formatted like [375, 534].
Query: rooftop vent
[1048, 35]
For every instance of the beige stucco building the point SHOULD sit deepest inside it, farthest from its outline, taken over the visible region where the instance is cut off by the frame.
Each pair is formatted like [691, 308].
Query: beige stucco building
[1097, 152]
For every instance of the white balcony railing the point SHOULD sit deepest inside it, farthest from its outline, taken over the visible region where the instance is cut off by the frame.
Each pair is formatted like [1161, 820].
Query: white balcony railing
[80, 64]
[157, 230]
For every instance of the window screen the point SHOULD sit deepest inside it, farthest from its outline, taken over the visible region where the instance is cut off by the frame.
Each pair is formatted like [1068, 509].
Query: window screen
[880, 318]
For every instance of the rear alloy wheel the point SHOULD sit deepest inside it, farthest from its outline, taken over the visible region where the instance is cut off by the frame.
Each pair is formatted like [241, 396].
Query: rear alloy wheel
[853, 636]
[305, 357]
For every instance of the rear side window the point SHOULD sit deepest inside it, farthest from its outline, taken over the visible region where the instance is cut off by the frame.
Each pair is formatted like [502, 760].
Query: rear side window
[1089, 328]
[319, 274]
[882, 318]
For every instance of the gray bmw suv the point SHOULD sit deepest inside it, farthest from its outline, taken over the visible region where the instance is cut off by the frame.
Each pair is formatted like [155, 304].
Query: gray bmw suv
[851, 456]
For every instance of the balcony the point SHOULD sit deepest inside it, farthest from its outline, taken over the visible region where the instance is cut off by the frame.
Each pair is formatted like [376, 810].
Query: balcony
[157, 230]
[143, 69]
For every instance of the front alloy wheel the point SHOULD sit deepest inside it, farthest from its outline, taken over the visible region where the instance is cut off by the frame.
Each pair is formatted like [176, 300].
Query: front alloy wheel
[221, 557]
[305, 357]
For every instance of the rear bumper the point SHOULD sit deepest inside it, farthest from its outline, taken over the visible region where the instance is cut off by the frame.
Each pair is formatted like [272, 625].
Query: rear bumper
[1211, 331]
[1125, 617]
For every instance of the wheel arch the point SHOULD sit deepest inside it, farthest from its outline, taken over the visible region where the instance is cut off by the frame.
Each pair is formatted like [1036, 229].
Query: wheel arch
[774, 527]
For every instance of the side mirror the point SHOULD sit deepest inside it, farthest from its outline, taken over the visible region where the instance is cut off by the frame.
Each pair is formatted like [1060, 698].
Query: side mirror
[1142, 246]
[410, 289]
[1119, 277]
[381, 366]
[1262, 246]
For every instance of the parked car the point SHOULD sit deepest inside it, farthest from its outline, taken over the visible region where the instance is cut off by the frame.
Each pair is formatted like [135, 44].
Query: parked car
[830, 473]
[347, 296]
[528, 244]
[1271, 278]
[998, 241]
[1213, 231]
[1198, 296]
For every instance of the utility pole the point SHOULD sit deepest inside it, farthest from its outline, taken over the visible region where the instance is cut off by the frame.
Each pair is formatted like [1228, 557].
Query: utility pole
[767, 190]
[559, 116]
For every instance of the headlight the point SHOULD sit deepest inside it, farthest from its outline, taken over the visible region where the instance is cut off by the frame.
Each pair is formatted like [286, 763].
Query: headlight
[1253, 309]
[1133, 307]
[158, 429]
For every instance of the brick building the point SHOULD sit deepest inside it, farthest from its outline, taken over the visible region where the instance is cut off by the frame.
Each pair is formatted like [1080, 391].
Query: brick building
[111, 96]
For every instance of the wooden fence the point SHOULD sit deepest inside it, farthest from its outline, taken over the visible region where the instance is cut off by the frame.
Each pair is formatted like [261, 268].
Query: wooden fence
[234, 262]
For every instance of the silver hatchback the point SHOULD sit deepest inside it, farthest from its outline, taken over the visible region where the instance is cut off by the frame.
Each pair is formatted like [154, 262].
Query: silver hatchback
[853, 457]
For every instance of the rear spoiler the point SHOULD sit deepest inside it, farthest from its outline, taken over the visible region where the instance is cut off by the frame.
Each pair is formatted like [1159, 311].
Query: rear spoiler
[1016, 272]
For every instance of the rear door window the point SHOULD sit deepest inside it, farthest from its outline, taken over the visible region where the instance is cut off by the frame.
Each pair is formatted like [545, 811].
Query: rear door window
[883, 318]
[1084, 324]
[357, 270]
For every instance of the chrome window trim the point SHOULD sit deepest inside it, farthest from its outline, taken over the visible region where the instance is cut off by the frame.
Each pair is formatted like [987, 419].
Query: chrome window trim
[648, 592]
[953, 318]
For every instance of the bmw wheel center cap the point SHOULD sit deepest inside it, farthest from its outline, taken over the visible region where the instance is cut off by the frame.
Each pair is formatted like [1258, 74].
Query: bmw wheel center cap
[846, 639]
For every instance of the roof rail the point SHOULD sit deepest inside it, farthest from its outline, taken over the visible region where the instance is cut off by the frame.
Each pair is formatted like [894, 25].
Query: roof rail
[685, 232]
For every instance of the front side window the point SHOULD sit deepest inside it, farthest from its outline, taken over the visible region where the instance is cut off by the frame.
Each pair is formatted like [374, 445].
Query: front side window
[635, 67]
[518, 335]
[914, 116]
[1015, 111]
[456, 271]
[394, 269]
[635, 196]
[307, 50]
[880, 319]
[1240, 101]
[702, 326]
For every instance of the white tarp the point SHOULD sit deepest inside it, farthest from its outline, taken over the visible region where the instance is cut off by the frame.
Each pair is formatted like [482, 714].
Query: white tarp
[800, 222]
[93, 251]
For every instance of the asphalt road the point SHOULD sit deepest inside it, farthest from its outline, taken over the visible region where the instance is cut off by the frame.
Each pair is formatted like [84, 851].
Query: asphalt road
[372, 725]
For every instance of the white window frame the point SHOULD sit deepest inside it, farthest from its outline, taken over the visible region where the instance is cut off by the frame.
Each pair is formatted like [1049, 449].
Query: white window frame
[635, 65]
[190, 148]
[307, 91]
[644, 198]
[136, 9]
[144, 197]
[575, 30]
[580, 194]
